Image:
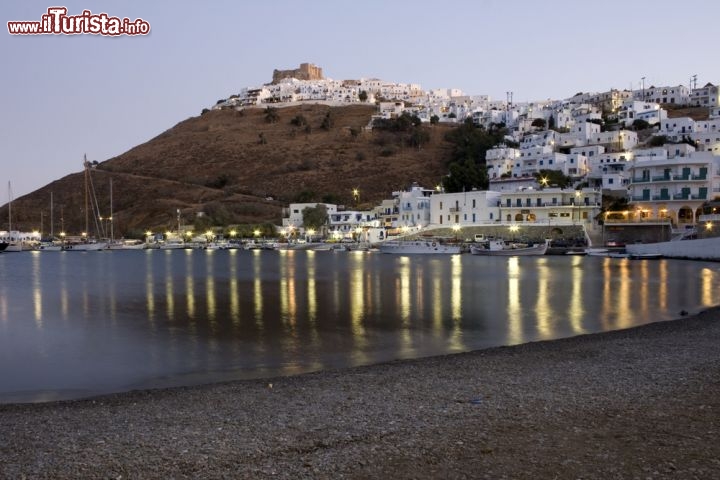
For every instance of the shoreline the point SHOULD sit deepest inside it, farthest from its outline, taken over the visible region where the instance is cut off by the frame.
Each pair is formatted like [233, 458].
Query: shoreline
[643, 401]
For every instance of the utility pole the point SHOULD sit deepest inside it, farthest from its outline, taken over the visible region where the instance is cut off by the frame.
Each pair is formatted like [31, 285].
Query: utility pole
[643, 88]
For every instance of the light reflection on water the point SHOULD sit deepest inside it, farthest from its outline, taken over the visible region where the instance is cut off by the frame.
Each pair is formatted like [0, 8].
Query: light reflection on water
[74, 324]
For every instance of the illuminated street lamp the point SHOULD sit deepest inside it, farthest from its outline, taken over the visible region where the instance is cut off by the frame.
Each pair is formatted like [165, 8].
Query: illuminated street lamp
[513, 231]
[356, 195]
[309, 237]
[456, 229]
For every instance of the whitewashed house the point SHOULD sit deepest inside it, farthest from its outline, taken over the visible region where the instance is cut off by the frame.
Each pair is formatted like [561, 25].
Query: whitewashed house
[678, 95]
[293, 215]
[672, 186]
[500, 161]
[637, 110]
[706, 96]
[550, 206]
[413, 207]
[464, 209]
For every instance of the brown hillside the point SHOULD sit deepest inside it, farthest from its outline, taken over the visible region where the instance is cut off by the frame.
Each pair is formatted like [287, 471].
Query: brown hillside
[696, 113]
[239, 168]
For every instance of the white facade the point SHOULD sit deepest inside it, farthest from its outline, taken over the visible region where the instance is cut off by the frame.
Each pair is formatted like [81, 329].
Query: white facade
[466, 208]
[413, 207]
[294, 217]
[637, 110]
[673, 187]
[678, 95]
[706, 96]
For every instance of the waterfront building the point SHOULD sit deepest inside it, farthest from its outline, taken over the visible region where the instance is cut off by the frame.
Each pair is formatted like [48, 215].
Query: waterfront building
[671, 184]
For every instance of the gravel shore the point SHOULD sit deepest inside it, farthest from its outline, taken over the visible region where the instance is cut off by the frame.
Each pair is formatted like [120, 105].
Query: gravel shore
[639, 403]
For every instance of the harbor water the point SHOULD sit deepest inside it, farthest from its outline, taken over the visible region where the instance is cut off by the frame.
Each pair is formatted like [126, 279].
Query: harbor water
[76, 324]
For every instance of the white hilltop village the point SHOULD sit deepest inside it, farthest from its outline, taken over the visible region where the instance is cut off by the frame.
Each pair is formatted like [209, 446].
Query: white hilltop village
[619, 143]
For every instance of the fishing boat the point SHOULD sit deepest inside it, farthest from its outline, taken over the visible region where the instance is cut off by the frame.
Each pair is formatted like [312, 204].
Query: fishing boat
[418, 247]
[500, 248]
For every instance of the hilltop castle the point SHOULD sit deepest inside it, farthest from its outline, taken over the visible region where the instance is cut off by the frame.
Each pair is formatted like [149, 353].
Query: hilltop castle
[307, 71]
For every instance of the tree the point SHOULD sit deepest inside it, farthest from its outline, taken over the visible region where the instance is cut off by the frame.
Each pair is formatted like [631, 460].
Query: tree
[658, 140]
[298, 121]
[419, 137]
[640, 124]
[315, 217]
[327, 122]
[306, 196]
[271, 115]
[464, 176]
[551, 122]
[538, 123]
[434, 120]
[363, 96]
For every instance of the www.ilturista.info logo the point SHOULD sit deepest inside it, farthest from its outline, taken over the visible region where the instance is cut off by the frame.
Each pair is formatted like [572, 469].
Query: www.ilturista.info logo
[57, 22]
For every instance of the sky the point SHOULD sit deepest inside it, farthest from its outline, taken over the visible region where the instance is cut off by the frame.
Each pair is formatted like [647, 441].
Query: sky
[64, 96]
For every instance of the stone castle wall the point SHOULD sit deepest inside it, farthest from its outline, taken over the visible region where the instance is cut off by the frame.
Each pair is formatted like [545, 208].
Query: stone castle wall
[307, 71]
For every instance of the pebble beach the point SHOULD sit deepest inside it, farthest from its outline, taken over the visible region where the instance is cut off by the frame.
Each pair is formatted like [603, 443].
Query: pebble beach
[639, 403]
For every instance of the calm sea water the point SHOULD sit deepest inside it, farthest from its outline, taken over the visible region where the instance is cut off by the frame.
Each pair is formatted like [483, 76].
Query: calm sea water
[76, 324]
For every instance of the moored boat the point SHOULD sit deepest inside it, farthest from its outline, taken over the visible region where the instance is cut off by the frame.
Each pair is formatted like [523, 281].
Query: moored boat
[412, 247]
[501, 248]
[85, 246]
[698, 249]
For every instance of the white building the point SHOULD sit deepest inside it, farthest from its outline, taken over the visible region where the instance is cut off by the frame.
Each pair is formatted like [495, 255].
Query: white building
[467, 208]
[678, 95]
[413, 207]
[551, 206]
[637, 110]
[673, 186]
[706, 96]
[293, 215]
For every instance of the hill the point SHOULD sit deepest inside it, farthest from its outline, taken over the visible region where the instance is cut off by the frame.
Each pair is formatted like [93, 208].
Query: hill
[226, 167]
[242, 168]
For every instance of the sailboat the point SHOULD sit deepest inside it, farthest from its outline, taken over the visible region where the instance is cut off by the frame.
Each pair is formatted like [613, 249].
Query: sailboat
[50, 246]
[86, 244]
[14, 244]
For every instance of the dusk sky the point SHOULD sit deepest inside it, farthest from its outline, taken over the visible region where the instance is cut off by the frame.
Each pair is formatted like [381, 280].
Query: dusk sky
[65, 96]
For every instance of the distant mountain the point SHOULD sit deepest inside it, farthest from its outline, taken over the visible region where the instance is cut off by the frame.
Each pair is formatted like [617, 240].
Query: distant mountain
[242, 168]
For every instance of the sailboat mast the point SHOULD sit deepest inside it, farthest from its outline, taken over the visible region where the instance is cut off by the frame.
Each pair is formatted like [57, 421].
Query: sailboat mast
[112, 234]
[52, 234]
[87, 213]
[9, 207]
